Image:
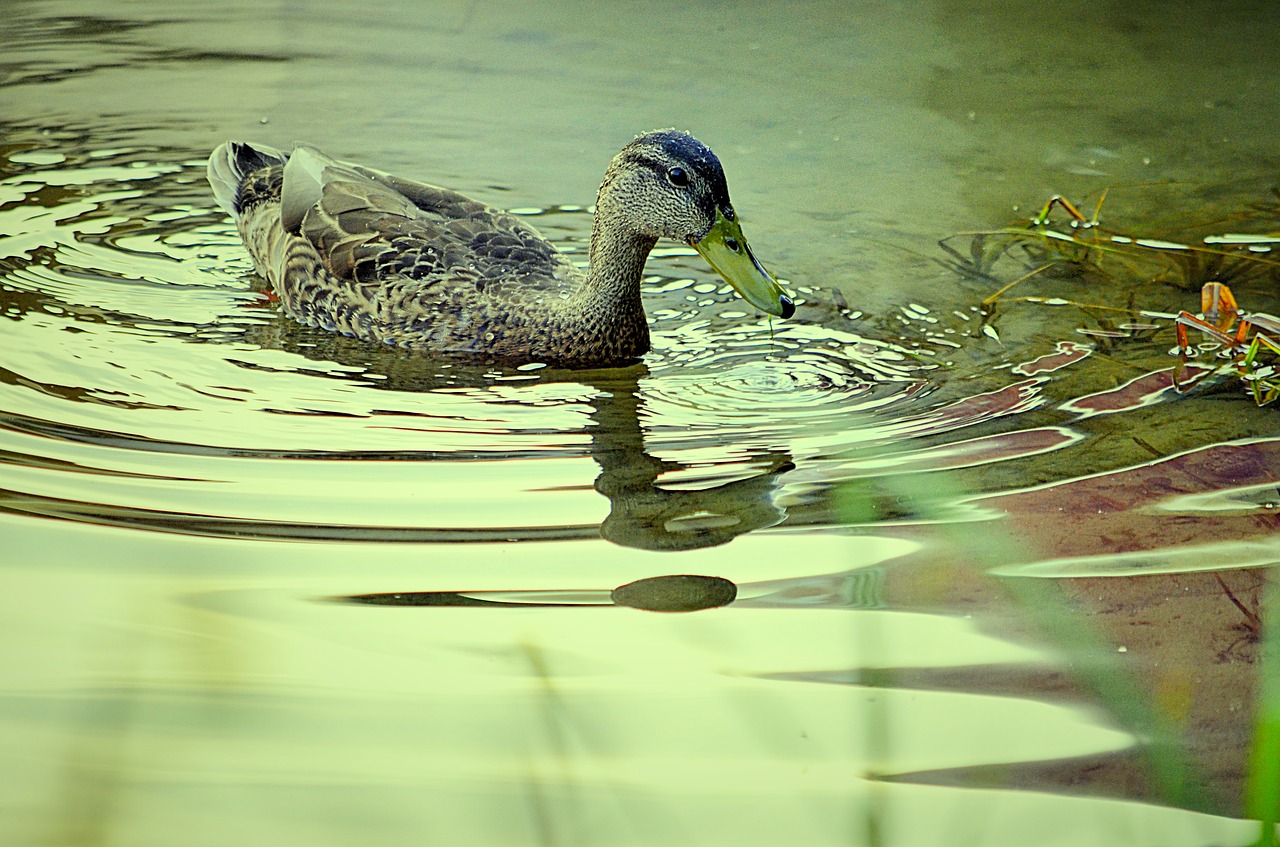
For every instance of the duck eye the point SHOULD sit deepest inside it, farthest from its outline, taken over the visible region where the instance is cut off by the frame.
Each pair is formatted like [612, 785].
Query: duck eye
[677, 177]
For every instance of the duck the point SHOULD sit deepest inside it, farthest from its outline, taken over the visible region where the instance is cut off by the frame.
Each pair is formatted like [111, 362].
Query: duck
[354, 250]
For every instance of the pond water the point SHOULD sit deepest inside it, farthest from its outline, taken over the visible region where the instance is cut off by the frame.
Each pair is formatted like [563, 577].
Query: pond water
[976, 572]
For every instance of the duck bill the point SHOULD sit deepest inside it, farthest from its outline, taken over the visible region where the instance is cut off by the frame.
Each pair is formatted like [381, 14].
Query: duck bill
[726, 250]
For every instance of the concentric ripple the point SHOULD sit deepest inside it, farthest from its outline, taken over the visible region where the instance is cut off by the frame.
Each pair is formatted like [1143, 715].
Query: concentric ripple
[148, 381]
[781, 387]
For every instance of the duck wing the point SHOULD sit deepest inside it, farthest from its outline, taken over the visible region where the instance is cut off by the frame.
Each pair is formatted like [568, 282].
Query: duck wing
[370, 227]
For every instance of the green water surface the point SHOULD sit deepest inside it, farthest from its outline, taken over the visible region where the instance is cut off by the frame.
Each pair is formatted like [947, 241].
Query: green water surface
[268, 586]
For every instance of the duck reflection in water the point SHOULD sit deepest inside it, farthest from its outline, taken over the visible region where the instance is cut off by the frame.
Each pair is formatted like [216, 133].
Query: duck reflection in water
[646, 515]
[643, 513]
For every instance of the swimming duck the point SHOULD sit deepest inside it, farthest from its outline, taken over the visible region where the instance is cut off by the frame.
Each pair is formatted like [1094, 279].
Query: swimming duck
[374, 256]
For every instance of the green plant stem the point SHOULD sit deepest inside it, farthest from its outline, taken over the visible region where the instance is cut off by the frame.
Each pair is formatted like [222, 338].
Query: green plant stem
[1262, 792]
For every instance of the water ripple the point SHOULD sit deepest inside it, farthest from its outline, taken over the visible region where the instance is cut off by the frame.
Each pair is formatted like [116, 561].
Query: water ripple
[149, 382]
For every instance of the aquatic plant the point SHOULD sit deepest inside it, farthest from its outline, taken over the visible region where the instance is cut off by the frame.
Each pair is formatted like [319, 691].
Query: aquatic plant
[1219, 315]
[1251, 612]
[1080, 248]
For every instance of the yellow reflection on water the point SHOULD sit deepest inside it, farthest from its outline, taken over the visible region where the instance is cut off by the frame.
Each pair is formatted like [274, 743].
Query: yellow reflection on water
[190, 689]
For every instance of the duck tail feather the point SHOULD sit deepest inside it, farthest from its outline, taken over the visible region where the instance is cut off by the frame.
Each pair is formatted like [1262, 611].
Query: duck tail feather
[230, 163]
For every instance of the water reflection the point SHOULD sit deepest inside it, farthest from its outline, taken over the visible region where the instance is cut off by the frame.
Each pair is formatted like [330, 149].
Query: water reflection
[645, 514]
[665, 593]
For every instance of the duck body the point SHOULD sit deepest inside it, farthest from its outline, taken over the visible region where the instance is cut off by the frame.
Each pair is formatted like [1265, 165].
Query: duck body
[361, 252]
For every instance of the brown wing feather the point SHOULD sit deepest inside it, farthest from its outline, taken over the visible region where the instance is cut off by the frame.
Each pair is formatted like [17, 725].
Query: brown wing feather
[370, 227]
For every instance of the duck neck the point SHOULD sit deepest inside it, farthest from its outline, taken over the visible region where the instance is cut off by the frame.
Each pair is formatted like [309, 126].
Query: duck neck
[617, 258]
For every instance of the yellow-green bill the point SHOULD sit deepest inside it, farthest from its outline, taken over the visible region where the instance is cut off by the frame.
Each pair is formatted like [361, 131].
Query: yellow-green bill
[726, 250]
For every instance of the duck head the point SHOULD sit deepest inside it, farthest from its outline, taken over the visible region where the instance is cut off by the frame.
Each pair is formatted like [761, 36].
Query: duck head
[667, 184]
